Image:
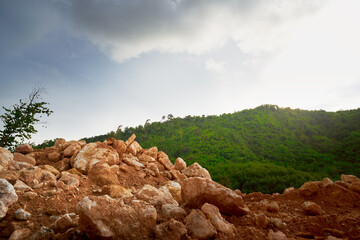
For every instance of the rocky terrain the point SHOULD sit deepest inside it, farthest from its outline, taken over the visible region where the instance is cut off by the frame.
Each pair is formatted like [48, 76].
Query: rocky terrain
[118, 190]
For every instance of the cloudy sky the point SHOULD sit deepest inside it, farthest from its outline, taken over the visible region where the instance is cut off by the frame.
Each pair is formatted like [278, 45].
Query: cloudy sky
[111, 62]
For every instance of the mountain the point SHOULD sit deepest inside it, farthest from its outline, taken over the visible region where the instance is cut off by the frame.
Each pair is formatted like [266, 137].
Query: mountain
[264, 149]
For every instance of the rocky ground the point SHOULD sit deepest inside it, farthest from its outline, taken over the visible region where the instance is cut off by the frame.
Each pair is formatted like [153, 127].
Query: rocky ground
[118, 190]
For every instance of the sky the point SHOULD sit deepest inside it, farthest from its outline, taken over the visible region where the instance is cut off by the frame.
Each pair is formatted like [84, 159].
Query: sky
[106, 63]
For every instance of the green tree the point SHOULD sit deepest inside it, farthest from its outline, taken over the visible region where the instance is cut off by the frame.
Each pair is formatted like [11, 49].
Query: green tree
[19, 119]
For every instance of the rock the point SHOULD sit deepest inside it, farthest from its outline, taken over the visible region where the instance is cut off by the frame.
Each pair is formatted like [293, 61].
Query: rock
[333, 238]
[21, 214]
[171, 229]
[198, 226]
[311, 208]
[51, 169]
[9, 175]
[65, 222]
[5, 158]
[72, 150]
[195, 170]
[44, 233]
[24, 149]
[21, 186]
[116, 191]
[105, 217]
[20, 234]
[94, 153]
[174, 188]
[276, 235]
[308, 189]
[134, 148]
[152, 152]
[155, 197]
[326, 182]
[120, 148]
[14, 165]
[153, 167]
[271, 206]
[130, 140]
[355, 186]
[165, 161]
[7, 197]
[70, 181]
[180, 164]
[349, 178]
[101, 174]
[132, 161]
[261, 220]
[54, 156]
[169, 211]
[197, 191]
[145, 158]
[277, 223]
[35, 175]
[62, 165]
[60, 143]
[221, 225]
[24, 158]
[30, 195]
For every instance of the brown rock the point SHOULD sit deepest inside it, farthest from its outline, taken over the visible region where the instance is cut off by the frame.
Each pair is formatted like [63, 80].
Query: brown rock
[271, 206]
[71, 181]
[62, 165]
[349, 178]
[308, 189]
[326, 182]
[311, 208]
[164, 160]
[130, 140]
[8, 196]
[276, 235]
[72, 150]
[20, 186]
[101, 174]
[33, 176]
[198, 226]
[110, 141]
[54, 156]
[94, 153]
[43, 233]
[355, 186]
[153, 167]
[50, 169]
[24, 158]
[120, 148]
[116, 191]
[60, 143]
[152, 152]
[134, 148]
[195, 170]
[171, 229]
[105, 217]
[145, 158]
[5, 158]
[24, 149]
[155, 197]
[261, 220]
[197, 191]
[169, 211]
[9, 175]
[180, 164]
[21, 214]
[213, 214]
[174, 188]
[130, 160]
[65, 222]
[20, 234]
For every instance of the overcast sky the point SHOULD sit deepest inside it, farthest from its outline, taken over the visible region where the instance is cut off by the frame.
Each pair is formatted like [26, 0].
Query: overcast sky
[111, 62]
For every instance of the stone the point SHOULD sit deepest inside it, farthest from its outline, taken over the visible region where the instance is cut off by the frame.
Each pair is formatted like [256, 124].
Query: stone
[62, 165]
[164, 160]
[8, 196]
[14, 165]
[261, 220]
[197, 191]
[198, 226]
[21, 214]
[270, 206]
[221, 225]
[152, 152]
[195, 170]
[70, 181]
[72, 149]
[30, 195]
[134, 148]
[24, 158]
[171, 229]
[311, 208]
[43, 233]
[308, 189]
[5, 158]
[101, 174]
[116, 191]
[355, 186]
[20, 234]
[156, 197]
[24, 149]
[276, 235]
[36, 175]
[180, 164]
[145, 158]
[130, 140]
[169, 211]
[51, 169]
[105, 217]
[326, 182]
[94, 153]
[130, 160]
[54, 156]
[59, 143]
[174, 188]
[65, 222]
[120, 148]
[21, 186]
[9, 175]
[349, 178]
[153, 167]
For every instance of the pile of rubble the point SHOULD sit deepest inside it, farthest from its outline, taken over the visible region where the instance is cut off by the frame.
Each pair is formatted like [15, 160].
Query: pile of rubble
[118, 190]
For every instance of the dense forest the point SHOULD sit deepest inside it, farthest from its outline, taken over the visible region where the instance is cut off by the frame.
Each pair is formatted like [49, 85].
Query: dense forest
[264, 149]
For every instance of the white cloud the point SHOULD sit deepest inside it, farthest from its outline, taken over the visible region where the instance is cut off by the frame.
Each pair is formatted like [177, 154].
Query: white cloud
[215, 66]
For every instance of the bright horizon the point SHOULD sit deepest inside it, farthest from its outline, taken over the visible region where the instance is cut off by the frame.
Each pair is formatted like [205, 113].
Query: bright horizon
[112, 63]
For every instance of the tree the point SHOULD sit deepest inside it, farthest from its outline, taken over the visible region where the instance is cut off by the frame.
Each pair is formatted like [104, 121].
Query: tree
[19, 119]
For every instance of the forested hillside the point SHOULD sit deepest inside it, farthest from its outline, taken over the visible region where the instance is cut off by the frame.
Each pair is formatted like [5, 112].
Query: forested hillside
[264, 149]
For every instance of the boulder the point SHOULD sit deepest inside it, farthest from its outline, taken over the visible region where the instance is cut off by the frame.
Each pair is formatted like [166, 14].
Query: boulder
[169, 211]
[171, 229]
[130, 140]
[130, 160]
[134, 148]
[9, 175]
[311, 208]
[20, 234]
[180, 164]
[70, 181]
[62, 165]
[43, 233]
[65, 222]
[349, 178]
[54, 156]
[120, 148]
[174, 188]
[94, 153]
[197, 191]
[24, 149]
[198, 226]
[21, 214]
[164, 160]
[153, 167]
[156, 197]
[59, 144]
[308, 189]
[36, 175]
[276, 235]
[21, 186]
[7, 197]
[195, 170]
[104, 217]
[152, 152]
[270, 206]
[14, 165]
[102, 174]
[355, 186]
[51, 169]
[72, 149]
[116, 191]
[5, 158]
[24, 158]
[221, 225]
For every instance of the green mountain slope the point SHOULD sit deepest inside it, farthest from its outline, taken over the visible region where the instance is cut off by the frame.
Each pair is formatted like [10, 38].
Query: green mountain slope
[264, 149]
